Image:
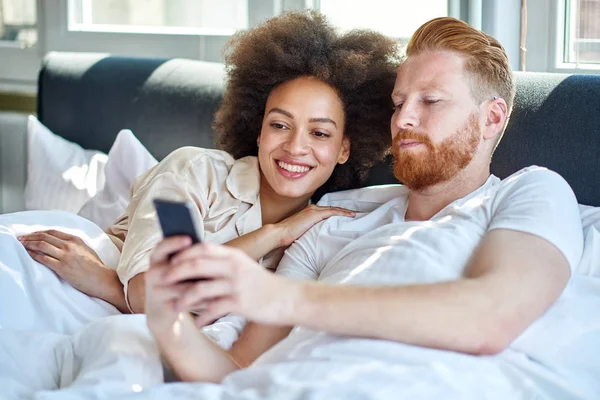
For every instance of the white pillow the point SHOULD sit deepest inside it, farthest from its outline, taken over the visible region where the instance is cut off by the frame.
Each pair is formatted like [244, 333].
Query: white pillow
[590, 216]
[590, 259]
[127, 160]
[61, 175]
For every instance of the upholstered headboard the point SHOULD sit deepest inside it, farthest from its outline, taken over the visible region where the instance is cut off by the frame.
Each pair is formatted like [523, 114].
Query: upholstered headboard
[88, 98]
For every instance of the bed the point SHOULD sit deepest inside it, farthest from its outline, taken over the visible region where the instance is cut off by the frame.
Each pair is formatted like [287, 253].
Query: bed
[118, 116]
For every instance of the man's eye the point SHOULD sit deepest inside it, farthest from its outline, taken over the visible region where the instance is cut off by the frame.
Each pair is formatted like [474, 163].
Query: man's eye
[397, 106]
[277, 125]
[432, 101]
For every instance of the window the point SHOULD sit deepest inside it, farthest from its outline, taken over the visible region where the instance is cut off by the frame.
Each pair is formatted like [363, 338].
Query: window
[398, 19]
[582, 32]
[159, 16]
[18, 22]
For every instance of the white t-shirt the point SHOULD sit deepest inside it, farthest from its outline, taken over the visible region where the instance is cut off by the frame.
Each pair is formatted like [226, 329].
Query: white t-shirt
[390, 250]
[378, 247]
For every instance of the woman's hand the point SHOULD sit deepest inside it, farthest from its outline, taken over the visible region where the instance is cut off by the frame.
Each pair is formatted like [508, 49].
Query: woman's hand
[72, 260]
[295, 226]
[233, 283]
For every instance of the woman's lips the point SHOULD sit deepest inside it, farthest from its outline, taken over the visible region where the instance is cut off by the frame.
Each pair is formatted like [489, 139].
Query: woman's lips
[292, 170]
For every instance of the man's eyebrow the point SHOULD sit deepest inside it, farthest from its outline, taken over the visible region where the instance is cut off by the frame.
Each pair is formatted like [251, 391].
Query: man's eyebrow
[280, 111]
[396, 93]
[323, 119]
[427, 88]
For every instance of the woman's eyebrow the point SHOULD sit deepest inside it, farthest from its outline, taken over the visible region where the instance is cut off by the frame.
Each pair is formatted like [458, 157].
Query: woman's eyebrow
[289, 115]
[281, 111]
[323, 119]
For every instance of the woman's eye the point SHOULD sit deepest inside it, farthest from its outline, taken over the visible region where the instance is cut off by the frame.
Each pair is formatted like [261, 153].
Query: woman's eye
[321, 134]
[277, 125]
[432, 101]
[397, 106]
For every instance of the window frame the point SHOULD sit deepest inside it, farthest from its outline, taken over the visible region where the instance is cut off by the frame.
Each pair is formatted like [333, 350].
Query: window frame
[20, 74]
[546, 40]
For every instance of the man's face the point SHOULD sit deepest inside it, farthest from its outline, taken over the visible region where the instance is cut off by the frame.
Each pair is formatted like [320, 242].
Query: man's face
[436, 125]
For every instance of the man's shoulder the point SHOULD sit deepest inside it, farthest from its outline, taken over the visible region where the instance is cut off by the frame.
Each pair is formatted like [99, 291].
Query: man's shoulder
[363, 199]
[532, 178]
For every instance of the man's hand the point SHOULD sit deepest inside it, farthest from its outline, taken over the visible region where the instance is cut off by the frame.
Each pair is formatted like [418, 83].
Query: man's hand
[233, 283]
[72, 260]
[160, 296]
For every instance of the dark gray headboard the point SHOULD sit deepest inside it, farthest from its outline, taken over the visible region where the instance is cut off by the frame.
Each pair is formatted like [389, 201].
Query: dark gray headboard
[555, 124]
[88, 98]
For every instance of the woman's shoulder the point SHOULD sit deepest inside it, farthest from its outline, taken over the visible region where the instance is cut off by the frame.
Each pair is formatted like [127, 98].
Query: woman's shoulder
[188, 163]
[191, 155]
[185, 159]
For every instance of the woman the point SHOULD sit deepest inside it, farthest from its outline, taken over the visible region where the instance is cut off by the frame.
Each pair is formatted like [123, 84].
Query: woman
[299, 100]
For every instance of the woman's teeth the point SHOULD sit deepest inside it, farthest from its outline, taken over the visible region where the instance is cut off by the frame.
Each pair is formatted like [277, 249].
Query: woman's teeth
[292, 168]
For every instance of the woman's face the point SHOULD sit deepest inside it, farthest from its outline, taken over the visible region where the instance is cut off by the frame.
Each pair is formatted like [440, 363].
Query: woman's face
[302, 137]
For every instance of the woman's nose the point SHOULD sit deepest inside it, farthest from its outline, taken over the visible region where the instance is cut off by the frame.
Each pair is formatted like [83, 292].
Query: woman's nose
[296, 143]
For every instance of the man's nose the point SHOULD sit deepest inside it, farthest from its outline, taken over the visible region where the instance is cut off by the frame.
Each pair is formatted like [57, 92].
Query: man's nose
[406, 117]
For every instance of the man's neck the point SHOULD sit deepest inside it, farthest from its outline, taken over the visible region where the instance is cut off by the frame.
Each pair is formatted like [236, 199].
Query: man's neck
[425, 203]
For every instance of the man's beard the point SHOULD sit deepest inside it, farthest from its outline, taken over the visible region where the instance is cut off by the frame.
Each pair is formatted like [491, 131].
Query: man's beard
[438, 163]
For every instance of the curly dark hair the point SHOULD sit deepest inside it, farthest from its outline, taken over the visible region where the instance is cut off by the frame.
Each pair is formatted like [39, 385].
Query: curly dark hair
[360, 65]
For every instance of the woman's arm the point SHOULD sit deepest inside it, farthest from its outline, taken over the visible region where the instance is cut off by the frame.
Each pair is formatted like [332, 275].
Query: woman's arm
[255, 244]
[194, 357]
[260, 242]
[76, 263]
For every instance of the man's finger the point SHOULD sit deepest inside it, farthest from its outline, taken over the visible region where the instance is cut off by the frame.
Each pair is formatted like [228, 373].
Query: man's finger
[214, 310]
[169, 292]
[205, 251]
[168, 246]
[200, 292]
[197, 269]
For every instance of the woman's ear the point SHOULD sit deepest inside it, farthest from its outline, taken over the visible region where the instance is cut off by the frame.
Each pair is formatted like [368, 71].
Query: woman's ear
[344, 151]
[258, 141]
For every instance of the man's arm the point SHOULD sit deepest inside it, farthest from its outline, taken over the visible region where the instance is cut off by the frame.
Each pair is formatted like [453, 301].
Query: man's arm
[511, 280]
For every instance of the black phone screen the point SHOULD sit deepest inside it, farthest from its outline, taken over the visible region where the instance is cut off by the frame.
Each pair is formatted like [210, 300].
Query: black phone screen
[176, 219]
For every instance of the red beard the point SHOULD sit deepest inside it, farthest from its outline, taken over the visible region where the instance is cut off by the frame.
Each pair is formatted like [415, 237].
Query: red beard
[438, 163]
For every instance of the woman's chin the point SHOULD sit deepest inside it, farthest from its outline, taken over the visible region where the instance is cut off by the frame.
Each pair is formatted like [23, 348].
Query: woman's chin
[292, 191]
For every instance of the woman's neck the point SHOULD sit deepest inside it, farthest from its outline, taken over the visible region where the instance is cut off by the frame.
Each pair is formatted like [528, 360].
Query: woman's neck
[275, 208]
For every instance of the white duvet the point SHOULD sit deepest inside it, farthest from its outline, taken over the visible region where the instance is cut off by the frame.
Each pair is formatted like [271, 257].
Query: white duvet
[57, 343]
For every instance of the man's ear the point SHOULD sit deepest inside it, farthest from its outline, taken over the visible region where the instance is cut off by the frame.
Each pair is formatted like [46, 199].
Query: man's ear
[496, 114]
[345, 151]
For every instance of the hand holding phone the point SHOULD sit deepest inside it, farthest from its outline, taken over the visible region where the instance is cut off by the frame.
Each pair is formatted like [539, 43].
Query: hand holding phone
[176, 218]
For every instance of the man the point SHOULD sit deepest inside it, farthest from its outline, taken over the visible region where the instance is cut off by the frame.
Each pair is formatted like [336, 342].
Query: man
[455, 260]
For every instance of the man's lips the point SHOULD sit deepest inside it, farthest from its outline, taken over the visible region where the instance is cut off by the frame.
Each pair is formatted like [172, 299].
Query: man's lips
[408, 143]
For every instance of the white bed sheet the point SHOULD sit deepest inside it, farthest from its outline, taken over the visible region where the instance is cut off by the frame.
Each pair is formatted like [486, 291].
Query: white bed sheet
[52, 336]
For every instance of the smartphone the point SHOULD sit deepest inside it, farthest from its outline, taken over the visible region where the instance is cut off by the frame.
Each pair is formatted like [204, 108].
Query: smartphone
[176, 218]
